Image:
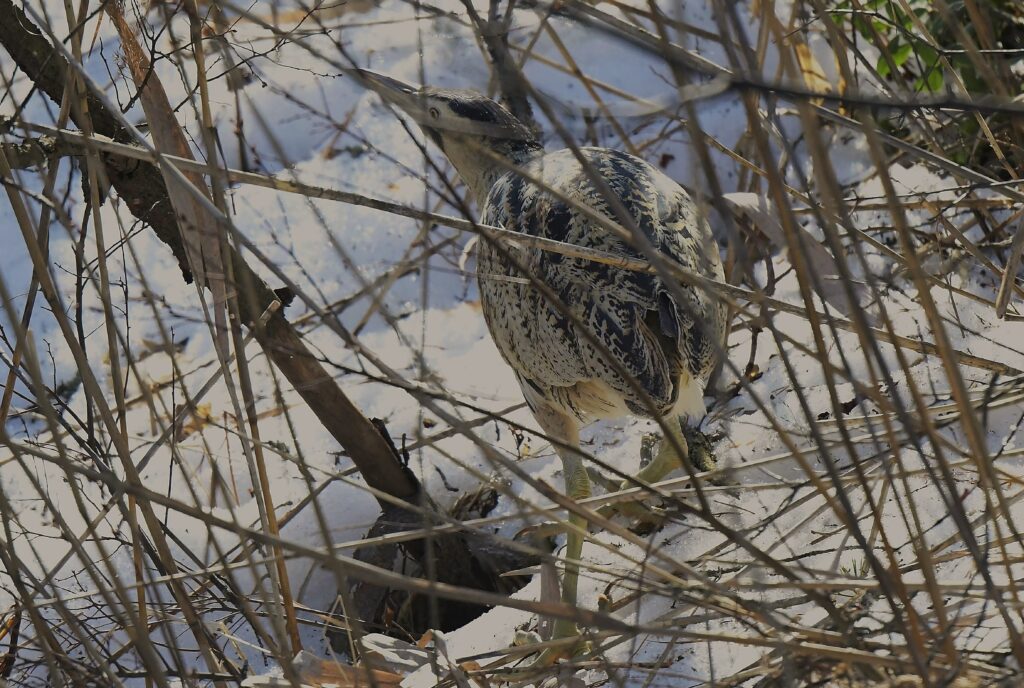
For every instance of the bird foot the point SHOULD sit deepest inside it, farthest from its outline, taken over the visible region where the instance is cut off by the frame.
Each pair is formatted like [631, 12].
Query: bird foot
[606, 482]
[573, 646]
[538, 533]
[554, 655]
[656, 465]
[642, 516]
[566, 631]
[647, 519]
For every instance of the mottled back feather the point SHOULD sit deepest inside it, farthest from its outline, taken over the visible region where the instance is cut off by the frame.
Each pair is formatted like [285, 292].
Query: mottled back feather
[649, 332]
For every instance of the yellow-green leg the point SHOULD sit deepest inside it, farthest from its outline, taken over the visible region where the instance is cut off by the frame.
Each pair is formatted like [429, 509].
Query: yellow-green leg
[577, 486]
[667, 459]
[564, 429]
[664, 462]
[696, 450]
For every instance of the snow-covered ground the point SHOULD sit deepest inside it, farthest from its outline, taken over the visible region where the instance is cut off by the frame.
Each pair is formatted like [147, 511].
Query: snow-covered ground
[304, 121]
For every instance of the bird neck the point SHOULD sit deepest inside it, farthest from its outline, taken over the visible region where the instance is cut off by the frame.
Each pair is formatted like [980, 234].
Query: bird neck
[479, 169]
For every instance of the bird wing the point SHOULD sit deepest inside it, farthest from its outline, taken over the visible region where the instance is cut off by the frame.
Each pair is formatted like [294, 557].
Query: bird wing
[652, 331]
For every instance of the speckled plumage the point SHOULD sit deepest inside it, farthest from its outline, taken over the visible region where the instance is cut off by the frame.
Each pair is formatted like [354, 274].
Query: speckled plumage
[660, 338]
[650, 334]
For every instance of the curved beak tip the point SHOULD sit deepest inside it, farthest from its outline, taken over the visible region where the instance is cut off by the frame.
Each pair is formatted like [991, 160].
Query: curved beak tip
[390, 84]
[394, 90]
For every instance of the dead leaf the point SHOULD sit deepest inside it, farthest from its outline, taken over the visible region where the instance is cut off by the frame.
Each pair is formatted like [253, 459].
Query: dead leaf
[158, 346]
[198, 225]
[325, 672]
[383, 652]
[197, 420]
[842, 83]
[317, 672]
[812, 71]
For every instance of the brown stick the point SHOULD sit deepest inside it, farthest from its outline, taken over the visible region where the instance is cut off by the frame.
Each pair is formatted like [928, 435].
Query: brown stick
[142, 187]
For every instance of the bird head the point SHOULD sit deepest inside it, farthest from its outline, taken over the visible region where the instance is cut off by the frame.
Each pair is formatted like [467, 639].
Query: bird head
[474, 132]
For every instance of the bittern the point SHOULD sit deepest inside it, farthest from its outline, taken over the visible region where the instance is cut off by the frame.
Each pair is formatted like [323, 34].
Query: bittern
[586, 340]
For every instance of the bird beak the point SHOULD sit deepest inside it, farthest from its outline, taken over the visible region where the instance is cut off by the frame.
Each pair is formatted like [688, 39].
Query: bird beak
[398, 93]
[412, 100]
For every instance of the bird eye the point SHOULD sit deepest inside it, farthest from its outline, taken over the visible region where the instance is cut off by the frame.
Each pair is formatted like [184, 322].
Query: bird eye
[434, 113]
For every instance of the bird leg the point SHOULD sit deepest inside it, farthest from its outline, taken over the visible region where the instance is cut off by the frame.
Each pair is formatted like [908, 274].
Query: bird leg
[695, 450]
[577, 487]
[561, 426]
[668, 458]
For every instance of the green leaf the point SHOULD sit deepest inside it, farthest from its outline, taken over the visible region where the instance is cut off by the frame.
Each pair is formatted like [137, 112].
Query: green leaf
[863, 27]
[931, 81]
[901, 53]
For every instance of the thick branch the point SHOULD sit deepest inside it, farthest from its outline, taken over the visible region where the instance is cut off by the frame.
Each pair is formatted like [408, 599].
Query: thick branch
[141, 186]
[450, 558]
[34, 153]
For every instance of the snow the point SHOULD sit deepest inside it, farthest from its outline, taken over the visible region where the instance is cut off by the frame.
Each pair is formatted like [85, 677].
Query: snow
[333, 251]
